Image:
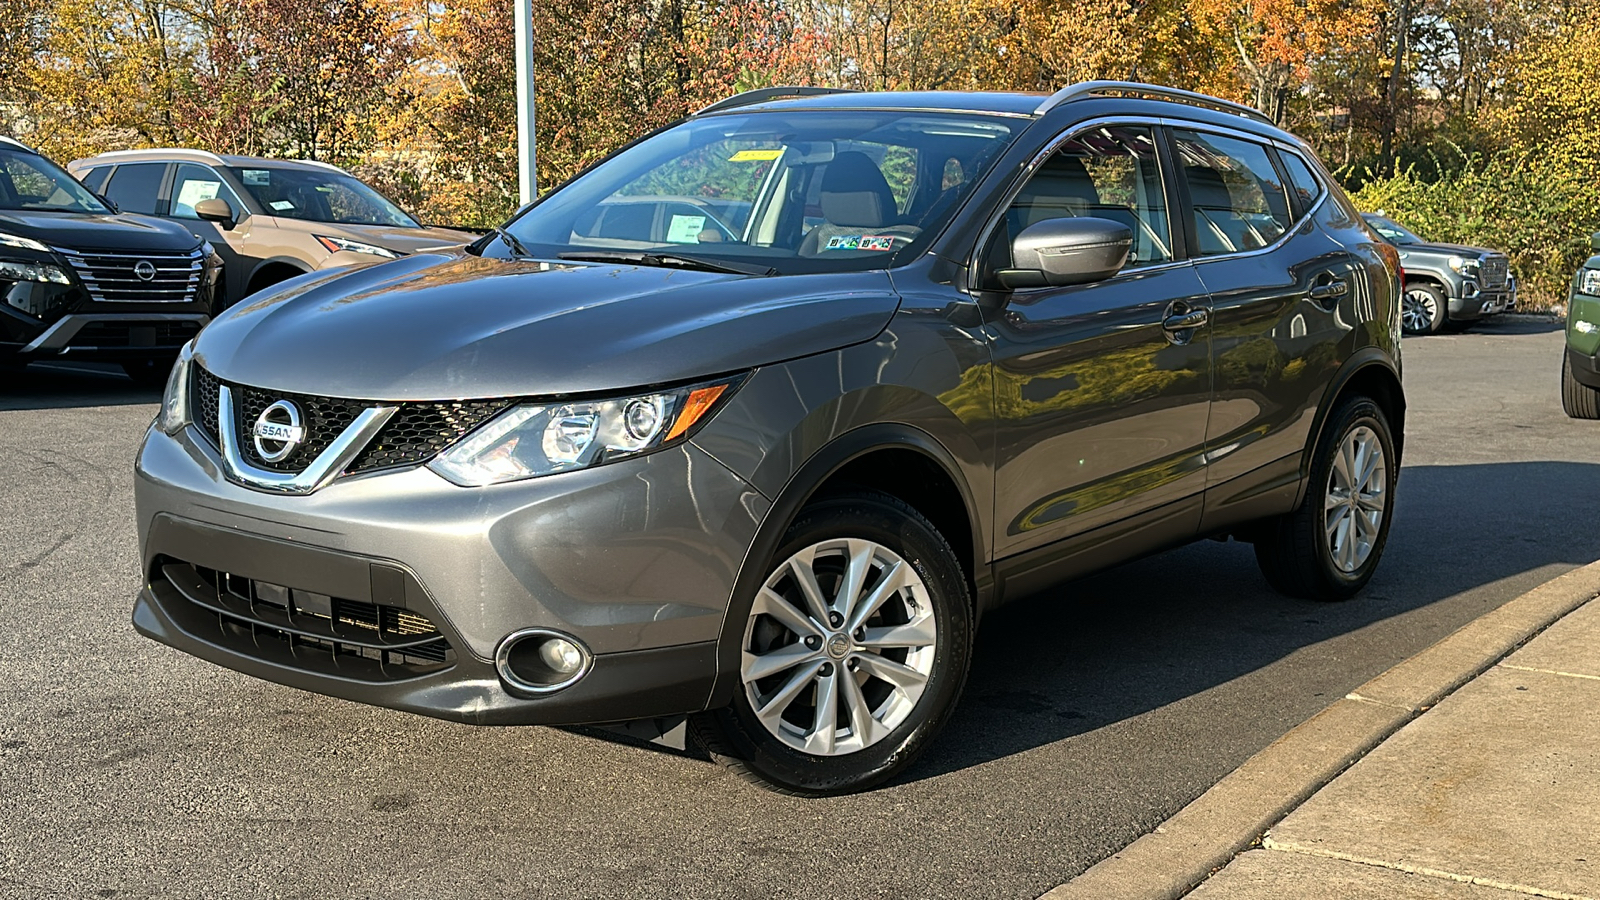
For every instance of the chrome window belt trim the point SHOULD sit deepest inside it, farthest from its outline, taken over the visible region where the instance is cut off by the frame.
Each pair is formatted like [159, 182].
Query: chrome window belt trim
[326, 467]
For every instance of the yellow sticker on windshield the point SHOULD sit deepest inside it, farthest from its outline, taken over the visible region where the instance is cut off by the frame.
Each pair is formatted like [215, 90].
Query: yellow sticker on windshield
[755, 155]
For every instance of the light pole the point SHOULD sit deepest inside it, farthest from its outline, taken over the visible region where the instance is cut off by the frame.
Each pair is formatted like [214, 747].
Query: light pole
[527, 166]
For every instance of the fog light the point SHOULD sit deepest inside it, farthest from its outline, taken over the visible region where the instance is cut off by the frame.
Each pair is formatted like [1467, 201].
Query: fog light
[540, 661]
[561, 655]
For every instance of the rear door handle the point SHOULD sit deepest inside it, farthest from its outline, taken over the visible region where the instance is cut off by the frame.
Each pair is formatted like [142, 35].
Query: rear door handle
[1194, 318]
[1331, 290]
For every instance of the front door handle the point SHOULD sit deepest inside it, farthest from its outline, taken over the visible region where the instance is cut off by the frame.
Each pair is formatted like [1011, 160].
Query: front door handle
[1184, 321]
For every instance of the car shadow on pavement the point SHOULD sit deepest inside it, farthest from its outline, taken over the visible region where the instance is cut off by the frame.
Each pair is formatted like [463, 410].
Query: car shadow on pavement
[62, 386]
[1146, 634]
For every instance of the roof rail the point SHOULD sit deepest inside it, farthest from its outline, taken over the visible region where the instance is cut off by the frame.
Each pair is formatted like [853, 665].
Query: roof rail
[16, 143]
[1155, 92]
[149, 152]
[762, 95]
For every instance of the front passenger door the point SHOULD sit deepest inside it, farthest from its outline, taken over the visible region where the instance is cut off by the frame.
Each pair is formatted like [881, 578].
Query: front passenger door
[1102, 409]
[193, 183]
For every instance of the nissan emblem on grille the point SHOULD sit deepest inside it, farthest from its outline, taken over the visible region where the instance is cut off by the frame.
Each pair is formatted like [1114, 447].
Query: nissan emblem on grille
[145, 269]
[278, 431]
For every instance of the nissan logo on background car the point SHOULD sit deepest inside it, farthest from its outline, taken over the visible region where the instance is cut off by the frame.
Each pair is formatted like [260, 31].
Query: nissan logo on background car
[145, 269]
[278, 431]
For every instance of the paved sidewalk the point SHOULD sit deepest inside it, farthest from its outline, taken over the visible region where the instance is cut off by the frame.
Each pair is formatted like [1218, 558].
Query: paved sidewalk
[1493, 794]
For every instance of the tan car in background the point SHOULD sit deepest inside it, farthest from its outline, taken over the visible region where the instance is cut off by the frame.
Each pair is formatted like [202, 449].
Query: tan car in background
[269, 219]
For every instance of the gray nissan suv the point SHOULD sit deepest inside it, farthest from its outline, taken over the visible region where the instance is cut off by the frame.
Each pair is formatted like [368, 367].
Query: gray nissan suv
[751, 423]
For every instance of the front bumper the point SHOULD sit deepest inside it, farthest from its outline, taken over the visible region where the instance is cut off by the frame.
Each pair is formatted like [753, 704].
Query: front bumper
[636, 559]
[1475, 302]
[104, 336]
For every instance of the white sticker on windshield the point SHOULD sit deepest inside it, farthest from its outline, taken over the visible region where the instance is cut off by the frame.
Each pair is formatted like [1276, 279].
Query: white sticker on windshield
[256, 177]
[685, 229]
[281, 205]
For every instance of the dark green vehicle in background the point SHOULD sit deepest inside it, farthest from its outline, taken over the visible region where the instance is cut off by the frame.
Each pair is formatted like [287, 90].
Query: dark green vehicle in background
[1580, 368]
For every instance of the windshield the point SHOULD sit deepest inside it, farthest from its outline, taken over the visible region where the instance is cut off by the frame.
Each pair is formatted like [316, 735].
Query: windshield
[790, 191]
[1391, 230]
[318, 195]
[29, 181]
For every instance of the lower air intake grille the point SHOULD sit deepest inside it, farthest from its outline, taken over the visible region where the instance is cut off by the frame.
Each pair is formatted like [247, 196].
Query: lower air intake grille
[364, 640]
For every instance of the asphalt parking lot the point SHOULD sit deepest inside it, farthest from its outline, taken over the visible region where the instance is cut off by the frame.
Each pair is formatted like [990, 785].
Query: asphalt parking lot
[130, 770]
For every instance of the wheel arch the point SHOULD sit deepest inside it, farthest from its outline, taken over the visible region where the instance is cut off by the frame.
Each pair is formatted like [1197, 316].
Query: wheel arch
[897, 459]
[1370, 373]
[293, 267]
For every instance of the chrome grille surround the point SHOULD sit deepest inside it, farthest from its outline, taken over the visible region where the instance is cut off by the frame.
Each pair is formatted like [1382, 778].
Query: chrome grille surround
[109, 275]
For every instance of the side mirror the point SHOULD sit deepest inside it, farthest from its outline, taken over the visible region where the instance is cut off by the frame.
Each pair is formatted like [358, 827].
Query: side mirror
[1062, 252]
[107, 201]
[216, 210]
[1594, 241]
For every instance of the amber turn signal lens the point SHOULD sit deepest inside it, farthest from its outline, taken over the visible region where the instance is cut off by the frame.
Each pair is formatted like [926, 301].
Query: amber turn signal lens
[698, 404]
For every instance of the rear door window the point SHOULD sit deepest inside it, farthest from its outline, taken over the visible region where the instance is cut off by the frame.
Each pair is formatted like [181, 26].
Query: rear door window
[1238, 198]
[1306, 186]
[136, 187]
[95, 178]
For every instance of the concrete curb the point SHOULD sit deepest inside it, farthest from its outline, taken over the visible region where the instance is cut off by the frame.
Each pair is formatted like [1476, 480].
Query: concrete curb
[1236, 812]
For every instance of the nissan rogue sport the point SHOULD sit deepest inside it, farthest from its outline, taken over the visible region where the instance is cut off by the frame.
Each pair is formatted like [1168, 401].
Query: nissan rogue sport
[753, 421]
[80, 281]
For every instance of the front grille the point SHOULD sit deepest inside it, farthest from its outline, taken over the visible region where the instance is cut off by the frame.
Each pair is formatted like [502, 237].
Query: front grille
[134, 334]
[1494, 270]
[324, 419]
[419, 431]
[112, 276]
[372, 642]
[416, 432]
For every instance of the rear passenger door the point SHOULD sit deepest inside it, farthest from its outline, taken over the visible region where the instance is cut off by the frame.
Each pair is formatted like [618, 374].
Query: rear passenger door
[1101, 403]
[1276, 281]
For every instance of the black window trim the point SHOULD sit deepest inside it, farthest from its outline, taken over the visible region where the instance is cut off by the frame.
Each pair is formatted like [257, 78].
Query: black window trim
[240, 212]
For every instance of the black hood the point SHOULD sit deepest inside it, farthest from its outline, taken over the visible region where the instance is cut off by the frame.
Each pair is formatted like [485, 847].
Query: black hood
[450, 325]
[98, 231]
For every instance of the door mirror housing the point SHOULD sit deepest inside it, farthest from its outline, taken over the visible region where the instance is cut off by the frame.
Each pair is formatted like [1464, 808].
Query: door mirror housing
[216, 210]
[1068, 251]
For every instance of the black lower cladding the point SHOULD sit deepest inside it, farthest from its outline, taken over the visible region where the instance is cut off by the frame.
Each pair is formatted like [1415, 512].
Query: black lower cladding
[366, 630]
[160, 335]
[413, 435]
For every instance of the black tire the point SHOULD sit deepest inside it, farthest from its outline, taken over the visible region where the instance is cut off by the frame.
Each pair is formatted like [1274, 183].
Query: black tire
[150, 373]
[1430, 302]
[737, 739]
[1294, 550]
[1578, 399]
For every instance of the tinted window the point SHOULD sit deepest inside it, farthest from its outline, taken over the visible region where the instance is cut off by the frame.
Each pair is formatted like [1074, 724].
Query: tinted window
[1305, 184]
[193, 184]
[29, 181]
[1110, 173]
[1238, 199]
[95, 179]
[134, 188]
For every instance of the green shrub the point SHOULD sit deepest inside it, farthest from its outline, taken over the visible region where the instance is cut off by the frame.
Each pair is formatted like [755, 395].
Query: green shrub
[1538, 208]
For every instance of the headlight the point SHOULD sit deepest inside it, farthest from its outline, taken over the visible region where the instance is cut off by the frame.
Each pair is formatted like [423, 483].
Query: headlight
[1464, 265]
[17, 270]
[336, 244]
[21, 243]
[174, 412]
[534, 439]
[1589, 282]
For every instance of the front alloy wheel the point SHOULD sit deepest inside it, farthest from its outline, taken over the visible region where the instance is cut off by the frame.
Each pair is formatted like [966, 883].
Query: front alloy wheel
[852, 654]
[1422, 309]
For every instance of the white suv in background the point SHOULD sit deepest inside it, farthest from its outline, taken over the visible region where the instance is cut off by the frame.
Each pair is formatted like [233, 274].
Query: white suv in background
[270, 219]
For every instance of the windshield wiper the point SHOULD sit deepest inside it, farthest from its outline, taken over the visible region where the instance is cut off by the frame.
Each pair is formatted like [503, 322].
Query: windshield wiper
[514, 245]
[669, 260]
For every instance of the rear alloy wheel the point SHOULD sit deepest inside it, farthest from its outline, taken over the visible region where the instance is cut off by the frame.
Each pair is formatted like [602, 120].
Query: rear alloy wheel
[853, 653]
[1578, 400]
[1329, 547]
[1423, 309]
